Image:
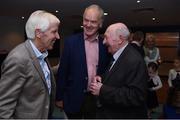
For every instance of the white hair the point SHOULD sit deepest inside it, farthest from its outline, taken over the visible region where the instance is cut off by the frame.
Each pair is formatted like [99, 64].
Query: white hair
[123, 31]
[39, 19]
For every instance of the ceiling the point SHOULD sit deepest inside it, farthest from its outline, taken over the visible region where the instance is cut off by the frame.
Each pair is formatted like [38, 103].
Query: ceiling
[133, 14]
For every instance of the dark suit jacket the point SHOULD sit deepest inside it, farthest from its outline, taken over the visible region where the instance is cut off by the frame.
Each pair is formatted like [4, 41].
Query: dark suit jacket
[124, 87]
[139, 49]
[23, 89]
[72, 73]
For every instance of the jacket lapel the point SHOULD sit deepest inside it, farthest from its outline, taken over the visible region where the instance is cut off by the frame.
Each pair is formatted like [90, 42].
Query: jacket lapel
[53, 84]
[82, 52]
[35, 62]
[118, 64]
[101, 54]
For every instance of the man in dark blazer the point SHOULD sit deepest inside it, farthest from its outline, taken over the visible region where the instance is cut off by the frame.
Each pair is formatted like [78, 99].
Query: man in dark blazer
[83, 57]
[137, 42]
[27, 84]
[122, 91]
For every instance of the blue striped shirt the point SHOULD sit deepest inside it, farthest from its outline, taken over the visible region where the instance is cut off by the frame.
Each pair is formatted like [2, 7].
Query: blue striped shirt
[44, 66]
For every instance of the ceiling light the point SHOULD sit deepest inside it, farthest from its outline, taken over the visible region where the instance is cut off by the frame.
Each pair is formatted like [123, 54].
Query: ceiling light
[153, 18]
[105, 14]
[138, 1]
[22, 17]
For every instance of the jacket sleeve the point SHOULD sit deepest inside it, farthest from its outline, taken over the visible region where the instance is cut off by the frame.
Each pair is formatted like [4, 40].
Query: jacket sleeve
[11, 83]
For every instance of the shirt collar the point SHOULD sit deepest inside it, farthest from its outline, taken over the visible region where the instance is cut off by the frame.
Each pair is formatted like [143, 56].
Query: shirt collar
[38, 54]
[119, 52]
[91, 39]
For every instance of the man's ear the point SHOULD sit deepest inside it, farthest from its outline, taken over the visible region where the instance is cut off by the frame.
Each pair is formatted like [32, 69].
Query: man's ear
[38, 33]
[121, 39]
[120, 42]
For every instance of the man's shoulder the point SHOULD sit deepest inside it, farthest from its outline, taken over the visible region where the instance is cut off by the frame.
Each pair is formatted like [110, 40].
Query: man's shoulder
[19, 52]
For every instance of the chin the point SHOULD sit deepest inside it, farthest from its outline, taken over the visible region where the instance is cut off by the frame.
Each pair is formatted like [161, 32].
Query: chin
[89, 33]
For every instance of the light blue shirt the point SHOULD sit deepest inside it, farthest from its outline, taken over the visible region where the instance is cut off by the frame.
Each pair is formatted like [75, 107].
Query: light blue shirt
[44, 66]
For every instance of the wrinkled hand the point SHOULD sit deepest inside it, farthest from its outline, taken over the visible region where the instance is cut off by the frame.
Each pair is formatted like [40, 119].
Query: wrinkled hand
[95, 86]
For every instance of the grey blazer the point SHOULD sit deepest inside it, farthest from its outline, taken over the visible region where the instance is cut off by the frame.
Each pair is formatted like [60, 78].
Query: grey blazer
[23, 90]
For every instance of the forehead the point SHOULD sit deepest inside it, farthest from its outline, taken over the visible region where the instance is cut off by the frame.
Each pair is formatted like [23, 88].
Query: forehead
[110, 30]
[92, 14]
[53, 26]
[107, 32]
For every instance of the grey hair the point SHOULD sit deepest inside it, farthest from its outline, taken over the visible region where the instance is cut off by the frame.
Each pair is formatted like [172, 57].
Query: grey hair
[97, 7]
[39, 19]
[123, 31]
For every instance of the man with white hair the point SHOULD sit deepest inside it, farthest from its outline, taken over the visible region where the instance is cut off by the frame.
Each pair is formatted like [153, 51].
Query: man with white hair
[27, 85]
[122, 90]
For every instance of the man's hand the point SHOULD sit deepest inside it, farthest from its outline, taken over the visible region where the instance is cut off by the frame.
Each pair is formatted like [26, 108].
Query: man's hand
[59, 104]
[95, 86]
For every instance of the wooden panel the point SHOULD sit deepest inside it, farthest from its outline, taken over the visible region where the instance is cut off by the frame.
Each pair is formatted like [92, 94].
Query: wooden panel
[166, 38]
[168, 54]
[162, 93]
[167, 42]
[164, 69]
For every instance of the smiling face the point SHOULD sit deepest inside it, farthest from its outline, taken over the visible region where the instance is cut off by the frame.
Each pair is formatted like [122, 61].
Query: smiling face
[92, 21]
[111, 41]
[47, 38]
[115, 37]
[151, 72]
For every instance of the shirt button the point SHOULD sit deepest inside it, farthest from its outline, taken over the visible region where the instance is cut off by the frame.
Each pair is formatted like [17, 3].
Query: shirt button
[84, 90]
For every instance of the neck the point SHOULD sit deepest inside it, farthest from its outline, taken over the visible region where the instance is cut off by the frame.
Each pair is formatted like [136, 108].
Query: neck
[38, 46]
[90, 37]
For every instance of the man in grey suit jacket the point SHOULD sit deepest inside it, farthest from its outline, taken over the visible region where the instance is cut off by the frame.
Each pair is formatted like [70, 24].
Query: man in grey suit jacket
[27, 85]
[123, 89]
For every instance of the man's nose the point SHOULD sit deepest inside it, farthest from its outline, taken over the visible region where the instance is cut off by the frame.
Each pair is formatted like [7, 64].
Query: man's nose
[88, 23]
[57, 36]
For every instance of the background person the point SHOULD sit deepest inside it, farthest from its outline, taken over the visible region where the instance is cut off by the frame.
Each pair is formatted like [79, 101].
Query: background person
[172, 108]
[154, 83]
[152, 53]
[137, 42]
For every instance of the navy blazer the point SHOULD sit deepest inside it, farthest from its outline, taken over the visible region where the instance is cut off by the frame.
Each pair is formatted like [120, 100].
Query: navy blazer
[72, 73]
